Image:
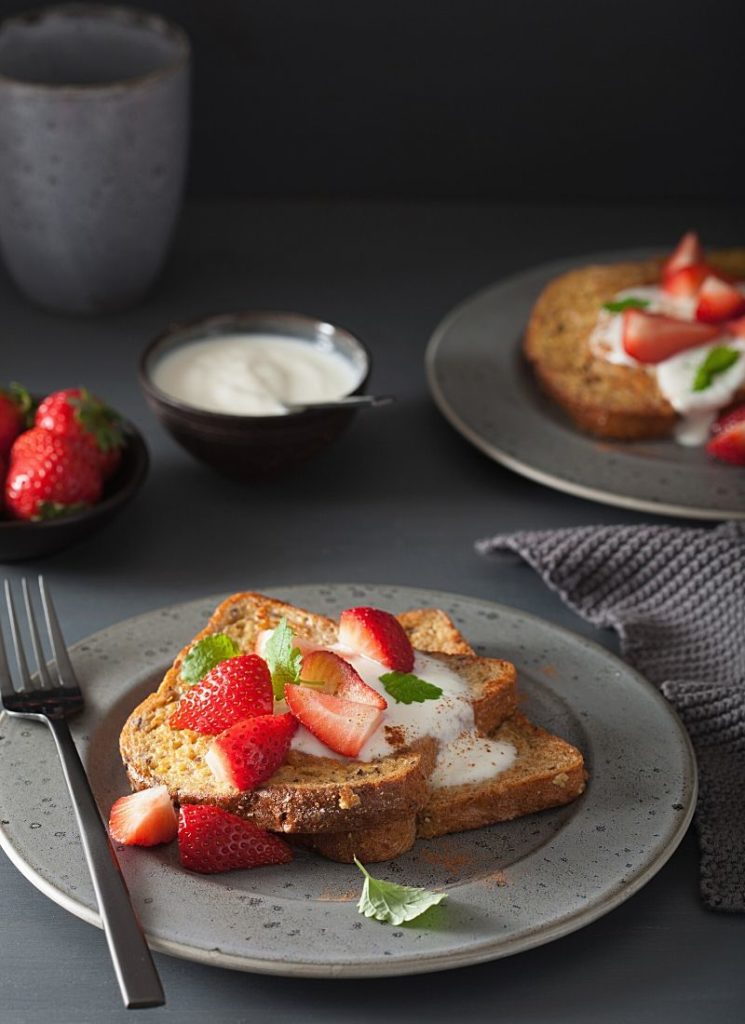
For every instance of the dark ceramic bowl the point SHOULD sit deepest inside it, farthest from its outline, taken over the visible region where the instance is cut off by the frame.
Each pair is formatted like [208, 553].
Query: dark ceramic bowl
[22, 540]
[251, 446]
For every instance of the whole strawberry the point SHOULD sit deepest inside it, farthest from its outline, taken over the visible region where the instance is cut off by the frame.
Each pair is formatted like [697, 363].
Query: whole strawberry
[78, 414]
[49, 476]
[15, 406]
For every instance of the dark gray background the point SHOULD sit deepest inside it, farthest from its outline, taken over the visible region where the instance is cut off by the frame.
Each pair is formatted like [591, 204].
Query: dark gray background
[527, 99]
[400, 499]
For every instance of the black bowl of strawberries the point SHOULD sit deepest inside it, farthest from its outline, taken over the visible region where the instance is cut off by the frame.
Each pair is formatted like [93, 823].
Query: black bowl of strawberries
[68, 464]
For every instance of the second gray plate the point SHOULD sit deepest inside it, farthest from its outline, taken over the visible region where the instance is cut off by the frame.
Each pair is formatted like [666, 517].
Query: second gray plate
[510, 887]
[482, 385]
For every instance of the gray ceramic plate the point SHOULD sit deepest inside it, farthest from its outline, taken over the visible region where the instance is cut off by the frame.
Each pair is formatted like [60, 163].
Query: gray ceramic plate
[510, 887]
[484, 388]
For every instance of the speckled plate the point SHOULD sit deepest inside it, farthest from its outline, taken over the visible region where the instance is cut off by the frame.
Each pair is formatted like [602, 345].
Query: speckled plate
[483, 386]
[510, 887]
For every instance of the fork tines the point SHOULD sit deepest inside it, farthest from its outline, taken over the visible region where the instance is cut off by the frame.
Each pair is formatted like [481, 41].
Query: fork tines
[50, 674]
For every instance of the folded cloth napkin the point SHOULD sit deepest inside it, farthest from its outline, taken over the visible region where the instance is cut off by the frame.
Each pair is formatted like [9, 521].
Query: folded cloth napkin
[676, 598]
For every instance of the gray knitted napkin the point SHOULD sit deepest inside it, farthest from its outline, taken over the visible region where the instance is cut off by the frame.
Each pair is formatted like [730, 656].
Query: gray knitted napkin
[676, 598]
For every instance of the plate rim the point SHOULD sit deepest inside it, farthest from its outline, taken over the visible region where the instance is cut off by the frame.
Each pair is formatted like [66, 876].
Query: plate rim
[413, 965]
[517, 465]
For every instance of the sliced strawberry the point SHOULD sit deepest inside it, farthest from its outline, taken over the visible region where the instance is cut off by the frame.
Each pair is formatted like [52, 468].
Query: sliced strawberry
[728, 437]
[211, 839]
[729, 445]
[729, 419]
[143, 819]
[378, 635]
[687, 252]
[249, 752]
[339, 677]
[652, 338]
[343, 725]
[234, 689]
[736, 327]
[718, 301]
[686, 281]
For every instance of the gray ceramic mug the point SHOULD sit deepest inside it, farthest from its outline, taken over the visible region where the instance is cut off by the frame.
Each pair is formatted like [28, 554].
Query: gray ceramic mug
[94, 124]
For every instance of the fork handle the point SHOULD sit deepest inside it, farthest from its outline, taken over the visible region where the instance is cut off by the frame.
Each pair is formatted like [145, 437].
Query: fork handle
[133, 964]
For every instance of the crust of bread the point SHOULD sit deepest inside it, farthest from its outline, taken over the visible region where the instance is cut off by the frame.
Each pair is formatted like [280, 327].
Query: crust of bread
[609, 401]
[369, 845]
[307, 794]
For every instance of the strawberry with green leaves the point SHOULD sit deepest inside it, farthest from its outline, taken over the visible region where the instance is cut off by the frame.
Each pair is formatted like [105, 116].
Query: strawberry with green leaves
[50, 475]
[15, 410]
[76, 413]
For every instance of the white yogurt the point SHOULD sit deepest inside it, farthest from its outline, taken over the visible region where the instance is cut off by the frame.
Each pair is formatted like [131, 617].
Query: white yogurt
[675, 376]
[462, 755]
[253, 374]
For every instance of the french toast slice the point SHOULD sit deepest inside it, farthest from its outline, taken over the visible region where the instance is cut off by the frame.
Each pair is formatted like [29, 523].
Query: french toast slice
[307, 794]
[547, 772]
[605, 399]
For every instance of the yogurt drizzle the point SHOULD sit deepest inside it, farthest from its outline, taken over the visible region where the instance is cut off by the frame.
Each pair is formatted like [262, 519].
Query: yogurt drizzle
[463, 756]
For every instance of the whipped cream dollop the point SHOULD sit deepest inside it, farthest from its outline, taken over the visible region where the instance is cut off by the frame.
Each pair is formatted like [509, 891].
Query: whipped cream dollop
[463, 755]
[675, 376]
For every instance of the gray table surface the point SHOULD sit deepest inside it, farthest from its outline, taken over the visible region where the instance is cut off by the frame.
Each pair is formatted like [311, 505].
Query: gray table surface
[399, 499]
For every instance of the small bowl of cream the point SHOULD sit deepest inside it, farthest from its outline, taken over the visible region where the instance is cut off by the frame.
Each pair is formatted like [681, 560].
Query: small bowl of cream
[222, 387]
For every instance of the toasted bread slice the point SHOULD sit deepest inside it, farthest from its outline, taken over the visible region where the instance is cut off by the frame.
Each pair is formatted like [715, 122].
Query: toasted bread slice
[369, 845]
[307, 794]
[547, 772]
[607, 400]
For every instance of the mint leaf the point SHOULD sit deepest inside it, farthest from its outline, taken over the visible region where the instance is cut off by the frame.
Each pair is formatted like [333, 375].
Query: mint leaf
[405, 688]
[717, 361]
[284, 660]
[391, 903]
[622, 304]
[205, 654]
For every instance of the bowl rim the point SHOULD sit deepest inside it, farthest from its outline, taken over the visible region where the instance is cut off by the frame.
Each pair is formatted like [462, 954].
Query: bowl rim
[229, 419]
[119, 496]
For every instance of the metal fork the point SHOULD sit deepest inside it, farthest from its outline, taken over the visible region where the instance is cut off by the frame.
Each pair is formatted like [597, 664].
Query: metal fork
[52, 698]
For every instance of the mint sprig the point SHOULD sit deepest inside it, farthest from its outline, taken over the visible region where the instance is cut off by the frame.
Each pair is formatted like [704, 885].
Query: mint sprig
[405, 688]
[392, 903]
[284, 660]
[205, 654]
[719, 359]
[622, 304]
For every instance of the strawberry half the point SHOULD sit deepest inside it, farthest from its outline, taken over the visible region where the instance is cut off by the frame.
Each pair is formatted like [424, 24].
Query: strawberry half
[211, 839]
[728, 437]
[686, 281]
[736, 327]
[143, 819]
[687, 252]
[652, 338]
[235, 689]
[250, 752]
[718, 301]
[339, 677]
[378, 635]
[343, 725]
